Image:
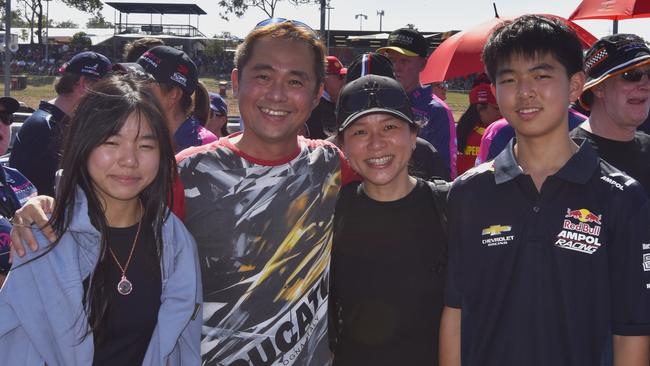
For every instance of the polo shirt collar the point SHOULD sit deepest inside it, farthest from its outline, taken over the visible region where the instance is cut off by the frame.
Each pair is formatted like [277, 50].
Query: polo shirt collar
[578, 169]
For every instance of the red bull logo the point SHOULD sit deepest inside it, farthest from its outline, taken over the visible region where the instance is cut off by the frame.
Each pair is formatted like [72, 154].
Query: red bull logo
[584, 215]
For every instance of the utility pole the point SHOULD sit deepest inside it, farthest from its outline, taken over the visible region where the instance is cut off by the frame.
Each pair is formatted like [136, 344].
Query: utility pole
[361, 17]
[7, 68]
[381, 15]
[47, 32]
[328, 26]
[323, 6]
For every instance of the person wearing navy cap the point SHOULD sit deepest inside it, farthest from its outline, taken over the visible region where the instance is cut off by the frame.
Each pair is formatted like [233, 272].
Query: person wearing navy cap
[552, 266]
[183, 97]
[617, 92]
[36, 149]
[15, 189]
[218, 119]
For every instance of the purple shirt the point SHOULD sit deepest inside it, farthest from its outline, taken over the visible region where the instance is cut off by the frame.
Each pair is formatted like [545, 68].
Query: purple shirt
[191, 133]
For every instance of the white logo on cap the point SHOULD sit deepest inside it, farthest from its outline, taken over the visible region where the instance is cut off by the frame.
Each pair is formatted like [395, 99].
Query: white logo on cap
[91, 69]
[177, 77]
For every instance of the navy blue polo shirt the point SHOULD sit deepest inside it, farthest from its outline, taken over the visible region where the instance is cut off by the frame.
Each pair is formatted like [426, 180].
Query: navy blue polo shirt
[36, 150]
[545, 278]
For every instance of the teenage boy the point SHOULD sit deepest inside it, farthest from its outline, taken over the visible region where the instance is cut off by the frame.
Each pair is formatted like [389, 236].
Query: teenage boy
[617, 92]
[260, 205]
[554, 259]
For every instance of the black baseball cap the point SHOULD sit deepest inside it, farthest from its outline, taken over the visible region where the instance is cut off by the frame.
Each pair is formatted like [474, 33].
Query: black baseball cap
[610, 56]
[369, 63]
[372, 94]
[408, 42]
[11, 105]
[88, 63]
[170, 65]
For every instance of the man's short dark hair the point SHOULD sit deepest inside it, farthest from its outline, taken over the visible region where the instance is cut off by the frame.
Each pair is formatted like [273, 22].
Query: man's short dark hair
[65, 83]
[533, 36]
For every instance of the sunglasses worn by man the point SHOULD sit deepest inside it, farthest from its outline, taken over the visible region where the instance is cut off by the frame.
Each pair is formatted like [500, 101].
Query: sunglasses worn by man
[297, 23]
[635, 75]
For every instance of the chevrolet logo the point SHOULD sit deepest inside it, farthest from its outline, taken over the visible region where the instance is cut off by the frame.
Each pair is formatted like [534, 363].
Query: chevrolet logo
[496, 230]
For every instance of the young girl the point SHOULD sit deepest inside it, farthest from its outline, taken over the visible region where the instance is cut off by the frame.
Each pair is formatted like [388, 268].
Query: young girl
[120, 285]
[388, 258]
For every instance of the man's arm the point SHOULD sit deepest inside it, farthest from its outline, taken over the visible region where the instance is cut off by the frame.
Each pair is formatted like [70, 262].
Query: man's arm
[450, 337]
[631, 350]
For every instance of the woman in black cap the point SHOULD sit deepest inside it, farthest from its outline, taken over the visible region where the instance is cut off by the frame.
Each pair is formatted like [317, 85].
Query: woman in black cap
[183, 97]
[389, 255]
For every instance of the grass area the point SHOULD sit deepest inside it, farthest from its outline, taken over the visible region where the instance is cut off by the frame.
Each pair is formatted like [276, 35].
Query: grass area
[41, 88]
[458, 103]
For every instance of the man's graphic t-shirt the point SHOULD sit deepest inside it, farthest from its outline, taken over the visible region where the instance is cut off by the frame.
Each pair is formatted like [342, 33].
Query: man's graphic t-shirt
[264, 235]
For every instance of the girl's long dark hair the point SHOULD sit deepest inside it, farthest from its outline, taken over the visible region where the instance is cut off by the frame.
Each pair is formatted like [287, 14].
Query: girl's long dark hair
[465, 125]
[101, 113]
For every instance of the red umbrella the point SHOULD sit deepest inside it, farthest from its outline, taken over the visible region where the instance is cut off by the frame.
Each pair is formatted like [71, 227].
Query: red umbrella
[460, 54]
[612, 9]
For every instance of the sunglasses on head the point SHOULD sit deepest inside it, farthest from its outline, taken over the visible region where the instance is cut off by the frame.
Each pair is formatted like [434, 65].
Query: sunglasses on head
[297, 23]
[635, 75]
[373, 98]
[6, 117]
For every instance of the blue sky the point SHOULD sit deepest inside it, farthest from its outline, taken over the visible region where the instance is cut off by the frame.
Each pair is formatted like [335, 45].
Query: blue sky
[427, 15]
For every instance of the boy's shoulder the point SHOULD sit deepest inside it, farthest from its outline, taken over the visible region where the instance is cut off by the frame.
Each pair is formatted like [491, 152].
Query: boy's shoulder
[476, 174]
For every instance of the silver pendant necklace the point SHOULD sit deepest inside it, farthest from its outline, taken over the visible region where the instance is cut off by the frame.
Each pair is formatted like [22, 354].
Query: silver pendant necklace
[124, 287]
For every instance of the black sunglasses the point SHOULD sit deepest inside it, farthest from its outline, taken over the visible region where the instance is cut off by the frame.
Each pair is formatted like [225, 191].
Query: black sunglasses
[284, 20]
[635, 75]
[373, 98]
[6, 117]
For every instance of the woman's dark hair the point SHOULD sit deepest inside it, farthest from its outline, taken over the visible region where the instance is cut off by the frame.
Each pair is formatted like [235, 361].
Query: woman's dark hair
[199, 106]
[533, 36]
[101, 113]
[465, 125]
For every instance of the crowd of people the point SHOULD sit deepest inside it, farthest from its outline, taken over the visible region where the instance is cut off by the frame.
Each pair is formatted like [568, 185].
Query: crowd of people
[328, 230]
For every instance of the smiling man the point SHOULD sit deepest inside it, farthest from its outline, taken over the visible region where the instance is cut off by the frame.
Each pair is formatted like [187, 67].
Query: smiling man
[554, 263]
[260, 205]
[618, 93]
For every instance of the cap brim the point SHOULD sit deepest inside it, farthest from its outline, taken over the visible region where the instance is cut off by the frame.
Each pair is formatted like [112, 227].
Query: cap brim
[11, 105]
[403, 51]
[615, 71]
[355, 116]
[619, 69]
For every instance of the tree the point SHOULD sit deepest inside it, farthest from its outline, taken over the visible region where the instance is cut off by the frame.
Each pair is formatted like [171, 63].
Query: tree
[17, 20]
[80, 42]
[239, 7]
[33, 9]
[87, 6]
[98, 21]
[66, 24]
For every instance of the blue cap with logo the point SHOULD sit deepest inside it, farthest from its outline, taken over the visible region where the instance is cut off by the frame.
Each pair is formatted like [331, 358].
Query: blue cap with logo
[218, 104]
[88, 63]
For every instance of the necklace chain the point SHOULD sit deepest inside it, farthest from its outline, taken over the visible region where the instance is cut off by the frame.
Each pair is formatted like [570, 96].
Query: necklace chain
[128, 261]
